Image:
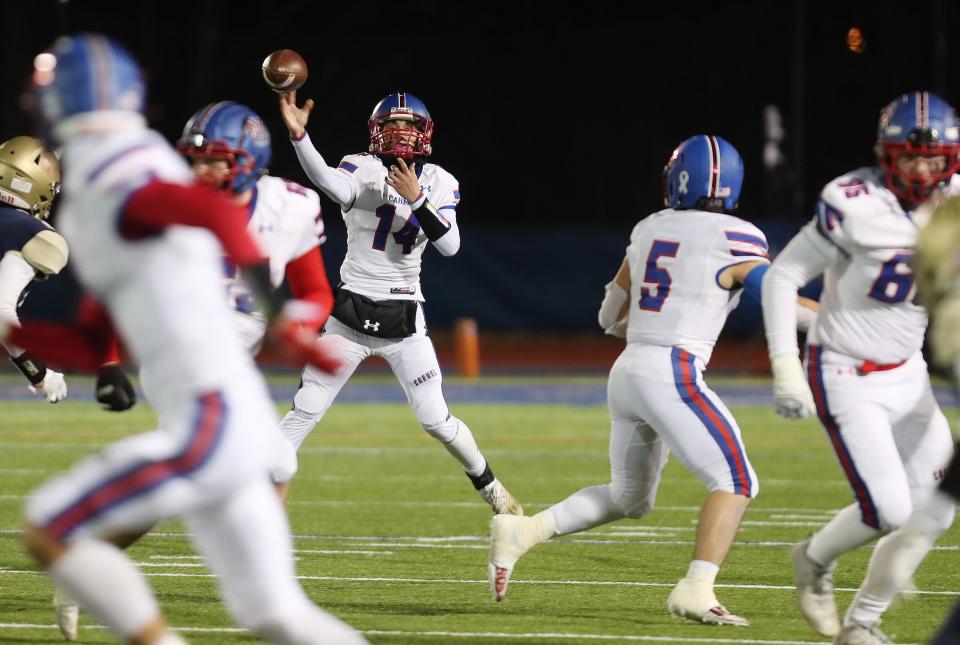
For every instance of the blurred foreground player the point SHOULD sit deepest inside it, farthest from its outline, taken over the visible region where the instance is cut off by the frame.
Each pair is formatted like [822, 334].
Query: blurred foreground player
[937, 270]
[684, 272]
[144, 237]
[868, 381]
[228, 147]
[394, 202]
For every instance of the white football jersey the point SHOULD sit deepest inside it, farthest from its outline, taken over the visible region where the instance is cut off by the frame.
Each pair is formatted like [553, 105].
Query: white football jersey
[868, 309]
[675, 258]
[384, 241]
[287, 222]
[164, 292]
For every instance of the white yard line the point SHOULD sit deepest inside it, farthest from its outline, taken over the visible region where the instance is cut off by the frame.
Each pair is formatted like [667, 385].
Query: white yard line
[486, 635]
[479, 542]
[461, 581]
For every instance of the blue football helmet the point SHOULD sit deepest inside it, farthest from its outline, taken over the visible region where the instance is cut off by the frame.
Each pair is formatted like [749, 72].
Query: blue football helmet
[404, 144]
[917, 124]
[87, 73]
[704, 172]
[233, 132]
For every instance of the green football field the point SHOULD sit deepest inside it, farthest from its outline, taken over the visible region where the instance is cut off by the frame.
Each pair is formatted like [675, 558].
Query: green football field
[390, 536]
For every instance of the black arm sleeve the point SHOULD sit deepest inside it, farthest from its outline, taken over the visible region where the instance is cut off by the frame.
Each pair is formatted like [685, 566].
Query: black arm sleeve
[33, 368]
[430, 222]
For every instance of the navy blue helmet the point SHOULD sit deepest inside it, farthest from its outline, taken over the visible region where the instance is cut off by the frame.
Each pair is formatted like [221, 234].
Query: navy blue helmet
[704, 172]
[233, 132]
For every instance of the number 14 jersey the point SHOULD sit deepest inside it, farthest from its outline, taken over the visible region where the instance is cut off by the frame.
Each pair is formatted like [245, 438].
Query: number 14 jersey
[675, 258]
[384, 240]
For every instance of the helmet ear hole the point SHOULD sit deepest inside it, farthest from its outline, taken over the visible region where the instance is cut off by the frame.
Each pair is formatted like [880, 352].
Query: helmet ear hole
[29, 175]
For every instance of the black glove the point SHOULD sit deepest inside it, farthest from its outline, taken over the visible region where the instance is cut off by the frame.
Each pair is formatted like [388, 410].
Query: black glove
[114, 389]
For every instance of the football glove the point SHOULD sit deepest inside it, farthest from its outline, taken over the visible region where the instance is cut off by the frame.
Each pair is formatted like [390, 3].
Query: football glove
[792, 398]
[114, 389]
[293, 333]
[53, 387]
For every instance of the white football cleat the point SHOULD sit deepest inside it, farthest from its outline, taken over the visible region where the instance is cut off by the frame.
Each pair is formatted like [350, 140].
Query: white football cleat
[695, 600]
[67, 613]
[859, 634]
[510, 537]
[814, 584]
[500, 499]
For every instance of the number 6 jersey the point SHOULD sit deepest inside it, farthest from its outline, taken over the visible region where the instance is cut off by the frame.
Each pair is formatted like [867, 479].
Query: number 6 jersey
[676, 257]
[866, 239]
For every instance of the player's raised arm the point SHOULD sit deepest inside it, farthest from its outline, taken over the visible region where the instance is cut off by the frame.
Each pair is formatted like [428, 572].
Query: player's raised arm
[295, 118]
[337, 185]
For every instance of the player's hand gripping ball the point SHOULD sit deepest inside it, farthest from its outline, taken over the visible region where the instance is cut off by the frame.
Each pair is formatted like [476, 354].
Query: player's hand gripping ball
[284, 71]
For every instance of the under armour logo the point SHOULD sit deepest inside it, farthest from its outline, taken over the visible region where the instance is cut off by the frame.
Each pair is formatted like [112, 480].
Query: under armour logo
[684, 177]
[369, 325]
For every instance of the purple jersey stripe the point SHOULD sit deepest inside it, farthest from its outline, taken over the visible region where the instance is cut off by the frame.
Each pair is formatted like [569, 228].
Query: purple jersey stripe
[145, 475]
[737, 236]
[109, 162]
[868, 510]
[716, 423]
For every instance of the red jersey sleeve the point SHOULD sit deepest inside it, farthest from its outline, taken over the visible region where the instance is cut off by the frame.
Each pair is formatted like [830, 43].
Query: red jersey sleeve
[158, 205]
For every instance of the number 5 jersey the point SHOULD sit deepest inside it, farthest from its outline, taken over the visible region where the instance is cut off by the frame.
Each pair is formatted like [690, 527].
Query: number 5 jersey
[676, 257]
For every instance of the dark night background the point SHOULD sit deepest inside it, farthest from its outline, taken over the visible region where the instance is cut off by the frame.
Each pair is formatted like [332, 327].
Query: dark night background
[557, 122]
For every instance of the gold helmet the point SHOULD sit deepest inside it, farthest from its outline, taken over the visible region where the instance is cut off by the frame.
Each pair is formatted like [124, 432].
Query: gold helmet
[29, 176]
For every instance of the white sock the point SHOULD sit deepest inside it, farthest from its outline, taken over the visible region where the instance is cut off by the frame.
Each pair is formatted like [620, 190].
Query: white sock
[108, 585]
[585, 509]
[465, 450]
[895, 559]
[843, 533]
[546, 525]
[703, 571]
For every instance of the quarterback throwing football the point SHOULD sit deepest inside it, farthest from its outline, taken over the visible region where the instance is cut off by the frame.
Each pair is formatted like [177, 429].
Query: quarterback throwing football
[394, 203]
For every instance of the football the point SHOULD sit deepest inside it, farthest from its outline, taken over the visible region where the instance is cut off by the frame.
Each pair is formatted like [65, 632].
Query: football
[284, 71]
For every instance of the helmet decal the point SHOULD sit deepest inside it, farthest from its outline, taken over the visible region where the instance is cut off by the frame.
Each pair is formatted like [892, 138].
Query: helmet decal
[234, 133]
[705, 172]
[29, 176]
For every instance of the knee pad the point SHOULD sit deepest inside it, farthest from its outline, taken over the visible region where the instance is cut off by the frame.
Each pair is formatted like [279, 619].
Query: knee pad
[933, 516]
[445, 430]
[296, 425]
[634, 498]
[893, 512]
